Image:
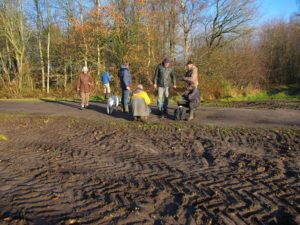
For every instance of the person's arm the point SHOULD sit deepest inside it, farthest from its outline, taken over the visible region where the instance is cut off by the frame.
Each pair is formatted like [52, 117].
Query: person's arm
[173, 77]
[109, 79]
[146, 98]
[194, 78]
[127, 79]
[78, 83]
[189, 79]
[155, 76]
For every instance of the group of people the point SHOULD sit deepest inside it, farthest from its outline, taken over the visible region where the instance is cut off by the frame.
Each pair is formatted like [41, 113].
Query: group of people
[163, 78]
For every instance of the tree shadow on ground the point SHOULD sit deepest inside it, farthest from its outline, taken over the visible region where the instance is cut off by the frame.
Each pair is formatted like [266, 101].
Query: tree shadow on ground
[97, 107]
[100, 107]
[292, 91]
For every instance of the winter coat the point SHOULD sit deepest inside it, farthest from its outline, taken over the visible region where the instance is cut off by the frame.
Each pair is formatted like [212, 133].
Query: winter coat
[85, 82]
[141, 94]
[163, 76]
[191, 77]
[105, 78]
[125, 77]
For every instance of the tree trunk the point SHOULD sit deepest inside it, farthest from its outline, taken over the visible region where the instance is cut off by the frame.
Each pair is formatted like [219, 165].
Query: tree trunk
[82, 33]
[65, 76]
[38, 24]
[48, 60]
[186, 46]
[185, 30]
[48, 46]
[97, 5]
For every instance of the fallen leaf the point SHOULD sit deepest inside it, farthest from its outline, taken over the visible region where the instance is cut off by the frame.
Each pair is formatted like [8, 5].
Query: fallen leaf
[261, 169]
[71, 221]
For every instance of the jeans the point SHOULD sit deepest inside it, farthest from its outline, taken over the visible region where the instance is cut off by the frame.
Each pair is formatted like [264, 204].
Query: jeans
[163, 92]
[125, 97]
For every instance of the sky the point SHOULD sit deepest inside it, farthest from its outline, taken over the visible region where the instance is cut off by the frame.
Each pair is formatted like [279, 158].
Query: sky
[277, 9]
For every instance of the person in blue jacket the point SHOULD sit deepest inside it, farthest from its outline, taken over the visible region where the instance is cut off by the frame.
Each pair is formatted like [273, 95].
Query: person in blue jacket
[125, 83]
[105, 79]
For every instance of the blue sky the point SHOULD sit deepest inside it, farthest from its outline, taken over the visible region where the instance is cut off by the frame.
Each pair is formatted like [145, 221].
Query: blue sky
[277, 9]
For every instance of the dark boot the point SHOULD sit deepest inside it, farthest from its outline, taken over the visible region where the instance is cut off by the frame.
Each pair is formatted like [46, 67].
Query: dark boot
[161, 114]
[191, 115]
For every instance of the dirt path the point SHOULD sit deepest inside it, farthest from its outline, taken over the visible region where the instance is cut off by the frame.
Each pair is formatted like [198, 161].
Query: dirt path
[60, 170]
[232, 117]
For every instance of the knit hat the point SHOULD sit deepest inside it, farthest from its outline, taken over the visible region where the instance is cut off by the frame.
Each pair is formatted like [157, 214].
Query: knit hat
[85, 69]
[189, 62]
[140, 86]
[166, 60]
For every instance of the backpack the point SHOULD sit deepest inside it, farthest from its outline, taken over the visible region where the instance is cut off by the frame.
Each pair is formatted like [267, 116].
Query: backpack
[179, 113]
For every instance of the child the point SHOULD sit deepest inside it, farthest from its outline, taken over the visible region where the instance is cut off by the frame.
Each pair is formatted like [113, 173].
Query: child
[140, 103]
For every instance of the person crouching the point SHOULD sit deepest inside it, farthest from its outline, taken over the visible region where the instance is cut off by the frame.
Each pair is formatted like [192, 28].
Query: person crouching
[191, 100]
[140, 102]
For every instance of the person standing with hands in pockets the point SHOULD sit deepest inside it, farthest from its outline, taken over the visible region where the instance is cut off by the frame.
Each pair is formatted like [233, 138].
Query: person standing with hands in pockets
[163, 76]
[125, 82]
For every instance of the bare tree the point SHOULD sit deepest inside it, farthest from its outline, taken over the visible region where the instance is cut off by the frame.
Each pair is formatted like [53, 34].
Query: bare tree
[14, 31]
[82, 32]
[48, 44]
[190, 14]
[229, 21]
[97, 8]
[39, 37]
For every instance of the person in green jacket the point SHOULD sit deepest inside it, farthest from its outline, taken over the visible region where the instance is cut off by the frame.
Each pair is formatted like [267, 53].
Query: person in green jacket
[163, 76]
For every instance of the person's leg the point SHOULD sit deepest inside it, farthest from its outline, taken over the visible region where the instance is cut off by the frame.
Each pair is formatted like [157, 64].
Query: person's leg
[125, 101]
[122, 98]
[82, 95]
[105, 91]
[159, 99]
[108, 90]
[87, 99]
[192, 111]
[166, 99]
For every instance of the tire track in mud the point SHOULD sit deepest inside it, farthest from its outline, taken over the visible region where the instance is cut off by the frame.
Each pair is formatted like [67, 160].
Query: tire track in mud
[65, 172]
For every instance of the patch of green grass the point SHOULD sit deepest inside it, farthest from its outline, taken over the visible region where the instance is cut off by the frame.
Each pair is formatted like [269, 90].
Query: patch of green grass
[281, 93]
[20, 99]
[3, 137]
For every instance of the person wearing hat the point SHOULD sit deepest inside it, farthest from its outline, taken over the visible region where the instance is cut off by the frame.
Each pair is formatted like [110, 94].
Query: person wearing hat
[85, 84]
[140, 102]
[163, 76]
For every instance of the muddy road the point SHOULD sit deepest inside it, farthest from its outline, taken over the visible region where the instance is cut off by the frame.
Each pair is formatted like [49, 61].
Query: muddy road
[270, 116]
[66, 170]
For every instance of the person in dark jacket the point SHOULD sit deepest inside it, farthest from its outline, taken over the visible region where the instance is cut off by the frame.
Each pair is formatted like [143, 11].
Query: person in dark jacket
[163, 76]
[191, 100]
[125, 83]
[105, 79]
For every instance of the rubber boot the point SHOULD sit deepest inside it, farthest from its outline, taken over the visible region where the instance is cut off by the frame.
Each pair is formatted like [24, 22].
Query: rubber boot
[125, 109]
[191, 115]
